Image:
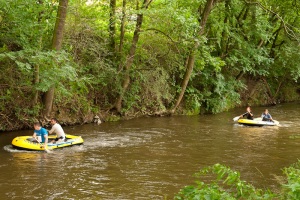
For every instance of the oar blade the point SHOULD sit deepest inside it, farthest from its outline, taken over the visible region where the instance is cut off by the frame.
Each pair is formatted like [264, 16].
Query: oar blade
[236, 118]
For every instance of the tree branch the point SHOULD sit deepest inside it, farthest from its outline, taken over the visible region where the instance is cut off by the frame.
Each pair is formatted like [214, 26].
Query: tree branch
[163, 33]
[286, 26]
[154, 29]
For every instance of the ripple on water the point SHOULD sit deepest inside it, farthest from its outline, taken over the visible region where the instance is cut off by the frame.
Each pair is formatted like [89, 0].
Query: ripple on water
[288, 124]
[124, 139]
[11, 149]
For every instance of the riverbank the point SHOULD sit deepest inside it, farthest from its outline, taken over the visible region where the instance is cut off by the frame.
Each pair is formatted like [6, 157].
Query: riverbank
[100, 117]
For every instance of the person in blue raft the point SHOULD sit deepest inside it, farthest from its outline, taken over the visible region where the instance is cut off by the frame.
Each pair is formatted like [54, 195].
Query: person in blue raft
[40, 134]
[266, 116]
[248, 114]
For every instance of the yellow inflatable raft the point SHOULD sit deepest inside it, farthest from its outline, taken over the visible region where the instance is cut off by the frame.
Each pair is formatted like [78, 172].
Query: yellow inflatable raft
[29, 143]
[257, 122]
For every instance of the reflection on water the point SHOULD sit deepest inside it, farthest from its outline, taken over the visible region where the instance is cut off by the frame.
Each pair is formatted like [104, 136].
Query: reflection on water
[151, 158]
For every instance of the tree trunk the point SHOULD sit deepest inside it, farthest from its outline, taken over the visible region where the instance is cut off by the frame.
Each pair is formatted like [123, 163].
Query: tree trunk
[112, 25]
[56, 45]
[122, 34]
[186, 78]
[36, 79]
[122, 28]
[191, 60]
[48, 102]
[254, 89]
[269, 92]
[275, 34]
[59, 25]
[224, 39]
[130, 57]
[240, 75]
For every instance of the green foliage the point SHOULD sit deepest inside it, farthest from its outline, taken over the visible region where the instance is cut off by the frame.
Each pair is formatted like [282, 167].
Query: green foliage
[27, 24]
[223, 183]
[223, 96]
[55, 67]
[112, 118]
[291, 189]
[193, 101]
[226, 185]
[287, 68]
[243, 42]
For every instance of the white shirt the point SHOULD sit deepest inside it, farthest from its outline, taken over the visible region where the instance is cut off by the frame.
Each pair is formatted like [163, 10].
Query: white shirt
[56, 128]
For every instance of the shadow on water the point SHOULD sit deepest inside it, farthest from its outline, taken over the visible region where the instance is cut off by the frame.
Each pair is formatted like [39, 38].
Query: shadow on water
[151, 158]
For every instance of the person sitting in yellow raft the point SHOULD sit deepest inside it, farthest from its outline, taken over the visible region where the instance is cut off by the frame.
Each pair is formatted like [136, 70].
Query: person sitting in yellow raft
[266, 116]
[56, 128]
[248, 113]
[40, 134]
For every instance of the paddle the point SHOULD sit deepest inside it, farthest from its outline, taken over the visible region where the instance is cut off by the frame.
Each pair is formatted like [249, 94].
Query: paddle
[47, 150]
[236, 118]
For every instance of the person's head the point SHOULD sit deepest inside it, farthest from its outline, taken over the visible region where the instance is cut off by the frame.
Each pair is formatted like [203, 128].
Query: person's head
[37, 125]
[53, 121]
[266, 111]
[248, 109]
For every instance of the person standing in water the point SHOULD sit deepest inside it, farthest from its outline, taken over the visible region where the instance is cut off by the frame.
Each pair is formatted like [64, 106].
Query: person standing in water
[56, 128]
[248, 114]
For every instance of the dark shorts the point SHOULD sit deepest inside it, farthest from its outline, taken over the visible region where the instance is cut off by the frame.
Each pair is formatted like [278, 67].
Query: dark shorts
[61, 137]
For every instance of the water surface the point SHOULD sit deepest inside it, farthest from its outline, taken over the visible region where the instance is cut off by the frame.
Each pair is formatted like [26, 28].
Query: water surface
[151, 158]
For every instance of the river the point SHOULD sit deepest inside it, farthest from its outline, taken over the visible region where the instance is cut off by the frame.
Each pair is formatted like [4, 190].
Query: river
[151, 158]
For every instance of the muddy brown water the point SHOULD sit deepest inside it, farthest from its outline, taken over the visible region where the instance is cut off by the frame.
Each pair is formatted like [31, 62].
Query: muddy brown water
[151, 158]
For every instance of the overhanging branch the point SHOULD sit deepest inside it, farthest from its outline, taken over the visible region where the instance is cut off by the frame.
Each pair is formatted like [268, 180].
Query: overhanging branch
[287, 27]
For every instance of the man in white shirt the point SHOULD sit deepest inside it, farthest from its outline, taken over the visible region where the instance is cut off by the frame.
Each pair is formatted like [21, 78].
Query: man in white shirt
[56, 128]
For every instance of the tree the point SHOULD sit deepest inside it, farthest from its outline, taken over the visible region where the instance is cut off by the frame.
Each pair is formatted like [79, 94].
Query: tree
[192, 55]
[56, 45]
[112, 24]
[122, 27]
[130, 56]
